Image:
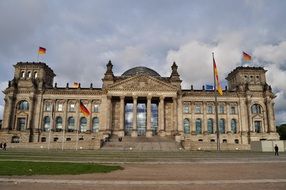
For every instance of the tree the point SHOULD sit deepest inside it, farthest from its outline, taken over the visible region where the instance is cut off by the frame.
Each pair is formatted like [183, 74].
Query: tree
[281, 130]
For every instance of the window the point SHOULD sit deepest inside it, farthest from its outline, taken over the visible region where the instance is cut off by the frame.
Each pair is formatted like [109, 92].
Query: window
[60, 107]
[212, 140]
[186, 108]
[221, 126]
[210, 126]
[210, 109]
[71, 124]
[236, 141]
[48, 106]
[43, 139]
[22, 74]
[15, 139]
[29, 74]
[198, 126]
[24, 105]
[233, 126]
[257, 126]
[56, 139]
[232, 110]
[256, 109]
[95, 124]
[35, 74]
[21, 124]
[59, 124]
[221, 108]
[186, 126]
[224, 141]
[197, 108]
[72, 107]
[47, 123]
[83, 125]
[96, 108]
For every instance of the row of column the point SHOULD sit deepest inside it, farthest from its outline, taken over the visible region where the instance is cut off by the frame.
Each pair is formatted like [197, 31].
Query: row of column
[161, 115]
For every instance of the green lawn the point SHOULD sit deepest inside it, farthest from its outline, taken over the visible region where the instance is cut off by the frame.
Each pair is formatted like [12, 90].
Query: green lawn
[9, 168]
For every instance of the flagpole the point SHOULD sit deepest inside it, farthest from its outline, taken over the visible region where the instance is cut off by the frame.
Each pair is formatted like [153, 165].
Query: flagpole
[216, 108]
[76, 144]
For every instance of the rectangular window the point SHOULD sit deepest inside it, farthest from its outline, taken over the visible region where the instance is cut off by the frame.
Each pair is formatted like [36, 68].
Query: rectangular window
[221, 109]
[72, 107]
[21, 124]
[48, 106]
[210, 109]
[232, 110]
[60, 107]
[197, 108]
[96, 108]
[257, 126]
[186, 108]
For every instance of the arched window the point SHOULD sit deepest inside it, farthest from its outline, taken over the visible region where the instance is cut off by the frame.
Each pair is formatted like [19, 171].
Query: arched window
[95, 124]
[256, 109]
[186, 126]
[29, 74]
[22, 74]
[233, 126]
[35, 74]
[83, 124]
[198, 126]
[59, 123]
[71, 124]
[221, 126]
[47, 123]
[210, 126]
[23, 105]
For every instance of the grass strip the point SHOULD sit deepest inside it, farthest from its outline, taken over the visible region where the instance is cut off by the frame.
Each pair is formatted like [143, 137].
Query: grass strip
[9, 168]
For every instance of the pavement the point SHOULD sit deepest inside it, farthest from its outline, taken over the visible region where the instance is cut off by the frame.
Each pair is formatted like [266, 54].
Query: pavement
[223, 173]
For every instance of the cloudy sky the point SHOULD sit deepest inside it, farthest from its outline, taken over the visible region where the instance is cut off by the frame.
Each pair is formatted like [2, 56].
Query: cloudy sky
[81, 36]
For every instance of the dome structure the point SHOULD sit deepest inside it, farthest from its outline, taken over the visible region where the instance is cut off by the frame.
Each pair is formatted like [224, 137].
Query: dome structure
[140, 71]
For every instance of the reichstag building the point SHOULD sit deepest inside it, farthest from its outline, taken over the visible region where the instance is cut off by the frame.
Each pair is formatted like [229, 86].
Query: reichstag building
[140, 102]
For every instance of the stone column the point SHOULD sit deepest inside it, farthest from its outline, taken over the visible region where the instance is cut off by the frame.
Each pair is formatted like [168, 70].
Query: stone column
[180, 115]
[161, 116]
[30, 119]
[8, 113]
[270, 115]
[121, 119]
[149, 115]
[109, 114]
[228, 119]
[134, 124]
[204, 121]
[175, 115]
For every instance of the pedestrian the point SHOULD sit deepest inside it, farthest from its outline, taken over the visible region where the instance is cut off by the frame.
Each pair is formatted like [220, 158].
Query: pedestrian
[4, 146]
[276, 150]
[1, 145]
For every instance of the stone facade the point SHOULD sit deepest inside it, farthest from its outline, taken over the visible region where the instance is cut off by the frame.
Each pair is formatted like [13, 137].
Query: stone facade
[38, 111]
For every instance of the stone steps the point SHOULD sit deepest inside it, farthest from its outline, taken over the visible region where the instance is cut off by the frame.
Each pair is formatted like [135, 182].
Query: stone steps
[142, 143]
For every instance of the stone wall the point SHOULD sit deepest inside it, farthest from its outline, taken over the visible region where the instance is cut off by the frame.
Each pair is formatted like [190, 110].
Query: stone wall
[191, 145]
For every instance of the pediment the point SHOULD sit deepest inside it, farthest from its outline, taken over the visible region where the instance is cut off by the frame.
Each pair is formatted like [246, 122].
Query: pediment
[143, 83]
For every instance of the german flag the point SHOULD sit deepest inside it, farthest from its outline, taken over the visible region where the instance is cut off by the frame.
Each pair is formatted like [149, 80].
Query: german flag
[218, 86]
[42, 51]
[83, 109]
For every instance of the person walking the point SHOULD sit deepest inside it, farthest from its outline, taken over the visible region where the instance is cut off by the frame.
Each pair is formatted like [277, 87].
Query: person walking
[4, 146]
[276, 150]
[1, 145]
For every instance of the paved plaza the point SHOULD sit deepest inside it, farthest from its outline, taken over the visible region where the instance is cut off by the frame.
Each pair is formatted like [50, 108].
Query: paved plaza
[179, 170]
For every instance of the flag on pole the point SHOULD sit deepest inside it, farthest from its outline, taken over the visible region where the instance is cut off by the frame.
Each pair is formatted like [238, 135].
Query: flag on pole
[42, 51]
[218, 86]
[83, 109]
[246, 57]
